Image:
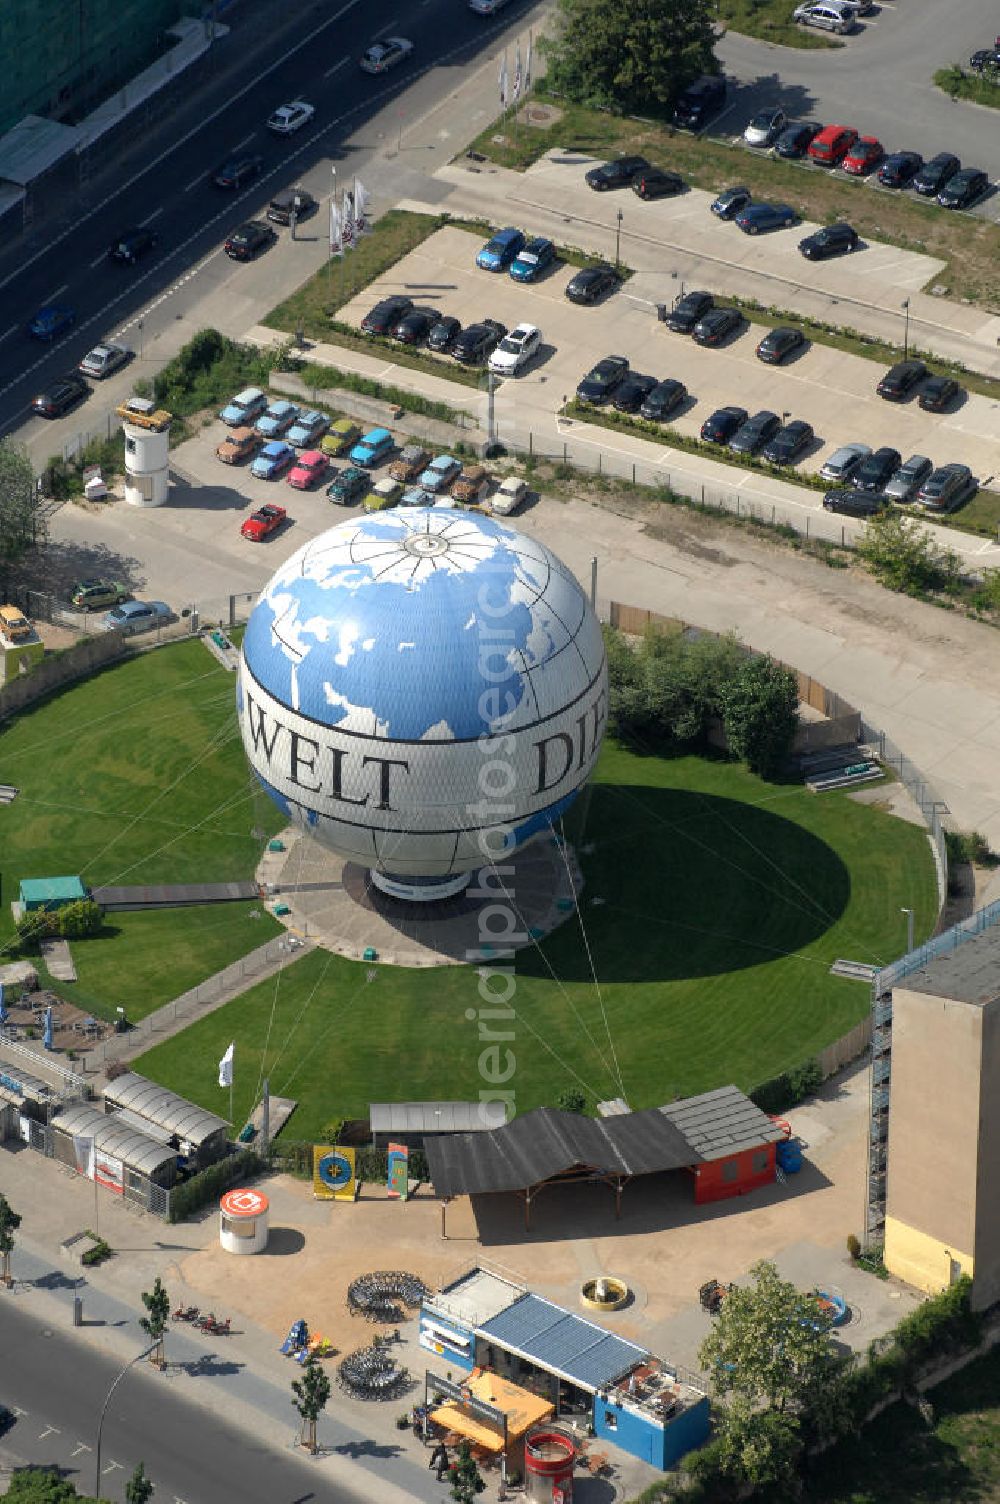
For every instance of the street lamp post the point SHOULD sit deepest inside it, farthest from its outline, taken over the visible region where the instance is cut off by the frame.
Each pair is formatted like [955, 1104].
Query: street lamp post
[618, 239]
[905, 305]
[909, 929]
[104, 1410]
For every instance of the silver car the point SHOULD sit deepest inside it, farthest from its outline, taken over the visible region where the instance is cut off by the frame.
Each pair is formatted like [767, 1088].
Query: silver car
[843, 460]
[910, 475]
[102, 360]
[828, 15]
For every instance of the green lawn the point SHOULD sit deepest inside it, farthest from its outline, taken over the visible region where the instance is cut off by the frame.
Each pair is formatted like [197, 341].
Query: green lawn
[771, 20]
[723, 901]
[981, 88]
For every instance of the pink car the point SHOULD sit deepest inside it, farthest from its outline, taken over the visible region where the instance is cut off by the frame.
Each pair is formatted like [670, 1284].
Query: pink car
[308, 470]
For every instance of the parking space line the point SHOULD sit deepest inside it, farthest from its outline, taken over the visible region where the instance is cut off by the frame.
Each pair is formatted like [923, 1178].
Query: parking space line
[49, 1431]
[336, 67]
[81, 1446]
[245, 142]
[57, 294]
[195, 181]
[12, 330]
[150, 217]
[98, 259]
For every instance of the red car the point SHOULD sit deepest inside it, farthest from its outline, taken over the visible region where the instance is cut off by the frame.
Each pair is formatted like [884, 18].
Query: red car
[832, 145]
[266, 520]
[866, 153]
[308, 470]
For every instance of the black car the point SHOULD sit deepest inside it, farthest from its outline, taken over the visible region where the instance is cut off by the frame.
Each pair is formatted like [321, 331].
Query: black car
[591, 283]
[985, 59]
[131, 245]
[60, 395]
[603, 380]
[688, 310]
[663, 399]
[788, 443]
[716, 326]
[875, 472]
[386, 315]
[476, 343]
[732, 201]
[831, 240]
[794, 139]
[237, 171]
[700, 100]
[963, 188]
[657, 184]
[939, 393]
[289, 201]
[899, 170]
[778, 344]
[633, 391]
[934, 174]
[854, 503]
[441, 336]
[756, 431]
[250, 239]
[415, 325]
[899, 381]
[616, 174]
[719, 427]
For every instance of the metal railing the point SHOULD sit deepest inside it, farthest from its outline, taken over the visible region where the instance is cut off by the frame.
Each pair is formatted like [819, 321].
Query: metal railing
[932, 807]
[75, 1083]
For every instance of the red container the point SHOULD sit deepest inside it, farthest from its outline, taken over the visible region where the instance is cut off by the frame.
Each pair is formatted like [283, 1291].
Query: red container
[549, 1460]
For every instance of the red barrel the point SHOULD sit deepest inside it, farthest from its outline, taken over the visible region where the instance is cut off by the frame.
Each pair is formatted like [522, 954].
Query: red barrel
[549, 1459]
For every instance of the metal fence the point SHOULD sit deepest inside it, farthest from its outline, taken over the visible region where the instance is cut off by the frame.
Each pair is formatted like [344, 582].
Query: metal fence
[938, 945]
[932, 807]
[74, 1085]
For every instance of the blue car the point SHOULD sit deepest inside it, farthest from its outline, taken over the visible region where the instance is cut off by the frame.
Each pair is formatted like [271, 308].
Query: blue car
[272, 460]
[498, 253]
[277, 419]
[245, 408]
[373, 448]
[759, 217]
[416, 496]
[440, 473]
[308, 429]
[533, 259]
[51, 321]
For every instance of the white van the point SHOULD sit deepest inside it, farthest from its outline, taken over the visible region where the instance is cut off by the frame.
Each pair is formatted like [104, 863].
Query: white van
[828, 15]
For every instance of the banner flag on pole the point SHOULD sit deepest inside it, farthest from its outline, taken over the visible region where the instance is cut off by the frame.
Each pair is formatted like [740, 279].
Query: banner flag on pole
[226, 1066]
[503, 82]
[398, 1172]
[83, 1153]
[361, 225]
[347, 217]
[336, 234]
[527, 66]
[517, 70]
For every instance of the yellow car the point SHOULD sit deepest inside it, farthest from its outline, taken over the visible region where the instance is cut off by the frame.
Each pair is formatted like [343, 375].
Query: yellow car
[384, 493]
[339, 437]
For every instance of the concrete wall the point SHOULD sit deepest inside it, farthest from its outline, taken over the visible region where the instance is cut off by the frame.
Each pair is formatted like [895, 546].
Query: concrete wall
[923, 1261]
[986, 1285]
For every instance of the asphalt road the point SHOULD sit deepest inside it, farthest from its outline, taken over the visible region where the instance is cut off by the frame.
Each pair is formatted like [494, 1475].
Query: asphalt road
[57, 1384]
[880, 81]
[175, 195]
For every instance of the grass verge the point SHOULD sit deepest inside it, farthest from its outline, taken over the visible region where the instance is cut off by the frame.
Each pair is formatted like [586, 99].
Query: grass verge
[771, 21]
[981, 88]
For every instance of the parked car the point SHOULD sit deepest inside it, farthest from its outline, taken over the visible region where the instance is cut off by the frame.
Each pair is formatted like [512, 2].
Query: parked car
[963, 188]
[832, 145]
[591, 283]
[272, 460]
[900, 379]
[276, 419]
[262, 523]
[700, 101]
[91, 595]
[386, 54]
[778, 344]
[516, 350]
[688, 310]
[236, 171]
[386, 314]
[794, 139]
[384, 493]
[602, 380]
[349, 486]
[843, 460]
[899, 169]
[409, 463]
[656, 183]
[908, 479]
[789, 443]
[131, 245]
[827, 15]
[986, 59]
[731, 201]
[415, 325]
[289, 201]
[476, 343]
[876, 469]
[755, 432]
[441, 335]
[339, 437]
[664, 399]
[102, 360]
[947, 488]
[509, 495]
[719, 427]
[416, 496]
[52, 321]
[473, 486]
[501, 249]
[765, 127]
[616, 174]
[249, 240]
[756, 218]
[289, 118]
[440, 473]
[372, 448]
[60, 395]
[137, 616]
[632, 392]
[935, 173]
[716, 326]
[831, 240]
[309, 469]
[854, 503]
[866, 153]
[238, 445]
[245, 408]
[307, 430]
[535, 257]
[939, 393]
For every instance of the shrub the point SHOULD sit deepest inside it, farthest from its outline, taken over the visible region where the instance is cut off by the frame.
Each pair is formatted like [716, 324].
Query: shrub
[788, 1089]
[116, 1068]
[970, 846]
[571, 1100]
[190, 1195]
[853, 1246]
[98, 1251]
[75, 920]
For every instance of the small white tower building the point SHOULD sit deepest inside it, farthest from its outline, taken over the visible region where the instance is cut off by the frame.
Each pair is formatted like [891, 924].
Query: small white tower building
[147, 448]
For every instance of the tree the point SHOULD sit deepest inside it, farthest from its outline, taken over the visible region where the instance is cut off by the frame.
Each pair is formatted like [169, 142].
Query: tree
[20, 502]
[760, 713]
[903, 556]
[466, 1479]
[630, 58]
[760, 1448]
[39, 1485]
[76, 920]
[157, 1303]
[309, 1396]
[139, 1489]
[571, 1099]
[10, 1221]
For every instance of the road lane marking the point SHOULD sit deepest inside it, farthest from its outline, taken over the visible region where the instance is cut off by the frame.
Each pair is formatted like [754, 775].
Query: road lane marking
[245, 142]
[98, 259]
[12, 330]
[111, 1467]
[150, 217]
[49, 1431]
[57, 294]
[195, 181]
[336, 67]
[81, 1446]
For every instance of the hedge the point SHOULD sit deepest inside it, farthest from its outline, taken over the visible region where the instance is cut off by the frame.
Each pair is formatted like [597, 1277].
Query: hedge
[788, 1089]
[191, 1195]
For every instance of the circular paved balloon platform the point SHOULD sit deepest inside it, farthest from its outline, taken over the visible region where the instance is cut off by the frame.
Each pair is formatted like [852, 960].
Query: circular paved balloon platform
[335, 904]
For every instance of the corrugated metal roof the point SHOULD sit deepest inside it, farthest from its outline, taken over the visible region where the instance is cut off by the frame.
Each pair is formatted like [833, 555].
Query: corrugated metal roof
[51, 889]
[436, 1117]
[111, 1136]
[721, 1122]
[577, 1350]
[164, 1108]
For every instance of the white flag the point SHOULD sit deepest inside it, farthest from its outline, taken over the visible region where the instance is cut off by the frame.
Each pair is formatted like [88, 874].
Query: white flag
[226, 1066]
[503, 82]
[347, 217]
[361, 225]
[527, 66]
[517, 70]
[336, 235]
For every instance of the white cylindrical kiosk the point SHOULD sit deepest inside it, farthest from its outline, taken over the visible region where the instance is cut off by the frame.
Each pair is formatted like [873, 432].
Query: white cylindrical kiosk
[243, 1221]
[147, 452]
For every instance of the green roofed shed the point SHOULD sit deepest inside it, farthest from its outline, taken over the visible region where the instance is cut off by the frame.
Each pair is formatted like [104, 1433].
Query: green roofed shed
[50, 892]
